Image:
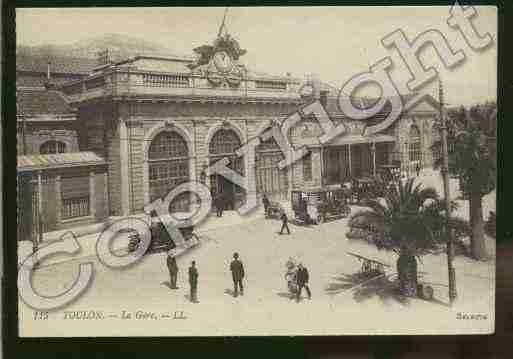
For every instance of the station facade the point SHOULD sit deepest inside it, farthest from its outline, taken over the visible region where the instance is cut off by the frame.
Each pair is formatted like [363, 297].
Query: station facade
[161, 121]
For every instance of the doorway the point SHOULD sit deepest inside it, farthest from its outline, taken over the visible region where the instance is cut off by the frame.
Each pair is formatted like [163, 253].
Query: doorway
[223, 144]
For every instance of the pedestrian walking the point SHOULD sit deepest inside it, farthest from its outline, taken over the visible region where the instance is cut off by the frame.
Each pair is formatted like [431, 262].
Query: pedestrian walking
[193, 281]
[173, 268]
[237, 269]
[219, 203]
[284, 223]
[302, 281]
[266, 203]
[418, 169]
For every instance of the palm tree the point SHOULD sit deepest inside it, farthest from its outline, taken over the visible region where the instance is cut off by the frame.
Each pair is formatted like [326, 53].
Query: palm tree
[473, 160]
[405, 222]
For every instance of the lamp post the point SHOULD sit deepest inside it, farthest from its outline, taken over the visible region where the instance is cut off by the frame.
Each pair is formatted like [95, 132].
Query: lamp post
[445, 175]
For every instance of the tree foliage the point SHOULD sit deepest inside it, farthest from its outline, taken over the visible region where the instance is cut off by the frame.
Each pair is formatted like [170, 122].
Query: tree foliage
[471, 138]
[406, 220]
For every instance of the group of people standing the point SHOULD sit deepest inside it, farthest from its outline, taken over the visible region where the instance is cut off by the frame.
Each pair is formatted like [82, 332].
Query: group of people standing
[173, 276]
[297, 276]
[236, 268]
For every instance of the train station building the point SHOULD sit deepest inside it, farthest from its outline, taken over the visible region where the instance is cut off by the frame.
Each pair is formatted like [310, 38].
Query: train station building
[158, 121]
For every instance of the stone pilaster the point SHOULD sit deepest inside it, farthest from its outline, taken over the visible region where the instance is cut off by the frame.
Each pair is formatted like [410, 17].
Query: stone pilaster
[92, 194]
[58, 199]
[124, 170]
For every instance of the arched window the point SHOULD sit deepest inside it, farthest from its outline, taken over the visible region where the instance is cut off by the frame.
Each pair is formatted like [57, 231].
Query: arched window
[224, 142]
[414, 148]
[168, 158]
[52, 146]
[168, 145]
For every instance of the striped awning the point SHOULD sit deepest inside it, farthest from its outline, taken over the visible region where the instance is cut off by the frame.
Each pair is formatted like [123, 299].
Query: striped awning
[59, 160]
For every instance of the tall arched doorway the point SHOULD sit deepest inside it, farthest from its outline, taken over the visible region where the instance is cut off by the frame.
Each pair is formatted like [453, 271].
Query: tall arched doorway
[168, 158]
[224, 143]
[269, 178]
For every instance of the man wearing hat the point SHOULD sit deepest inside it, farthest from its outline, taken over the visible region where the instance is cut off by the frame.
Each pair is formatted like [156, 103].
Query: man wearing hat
[173, 268]
[193, 281]
[302, 281]
[237, 269]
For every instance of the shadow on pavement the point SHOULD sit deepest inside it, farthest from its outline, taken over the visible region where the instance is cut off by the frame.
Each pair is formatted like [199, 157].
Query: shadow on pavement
[366, 287]
[230, 292]
[167, 284]
[285, 295]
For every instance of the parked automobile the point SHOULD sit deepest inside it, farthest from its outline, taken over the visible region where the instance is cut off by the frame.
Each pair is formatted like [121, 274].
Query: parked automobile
[319, 205]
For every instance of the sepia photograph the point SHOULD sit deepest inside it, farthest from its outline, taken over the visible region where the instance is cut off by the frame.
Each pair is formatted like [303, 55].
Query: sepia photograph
[256, 171]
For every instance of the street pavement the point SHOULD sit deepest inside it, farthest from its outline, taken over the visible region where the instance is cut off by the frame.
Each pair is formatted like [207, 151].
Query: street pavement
[342, 303]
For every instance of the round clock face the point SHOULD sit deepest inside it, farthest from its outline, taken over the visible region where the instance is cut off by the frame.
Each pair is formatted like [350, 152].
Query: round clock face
[222, 61]
[306, 90]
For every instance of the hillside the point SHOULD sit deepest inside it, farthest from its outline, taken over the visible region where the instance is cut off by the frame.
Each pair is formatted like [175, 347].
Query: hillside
[120, 46]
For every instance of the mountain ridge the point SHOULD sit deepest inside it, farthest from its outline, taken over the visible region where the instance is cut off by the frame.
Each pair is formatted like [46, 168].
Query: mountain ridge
[119, 46]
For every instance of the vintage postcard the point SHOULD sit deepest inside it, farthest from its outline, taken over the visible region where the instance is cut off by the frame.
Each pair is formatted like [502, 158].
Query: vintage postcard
[253, 171]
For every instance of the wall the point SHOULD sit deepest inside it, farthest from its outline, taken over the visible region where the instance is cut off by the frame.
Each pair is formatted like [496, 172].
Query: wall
[51, 192]
[129, 130]
[197, 123]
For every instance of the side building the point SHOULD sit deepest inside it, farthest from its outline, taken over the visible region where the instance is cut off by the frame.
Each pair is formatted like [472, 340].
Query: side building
[59, 185]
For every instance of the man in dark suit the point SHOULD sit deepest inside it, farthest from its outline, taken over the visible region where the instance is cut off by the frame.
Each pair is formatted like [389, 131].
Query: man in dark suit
[302, 281]
[284, 223]
[173, 269]
[237, 269]
[266, 203]
[219, 203]
[193, 281]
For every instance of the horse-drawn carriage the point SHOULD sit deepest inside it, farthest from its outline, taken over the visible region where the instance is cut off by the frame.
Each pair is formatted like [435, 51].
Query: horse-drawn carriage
[364, 188]
[390, 173]
[319, 205]
[161, 241]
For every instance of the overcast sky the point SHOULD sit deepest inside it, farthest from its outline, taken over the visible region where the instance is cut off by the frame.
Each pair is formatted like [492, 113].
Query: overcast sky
[333, 42]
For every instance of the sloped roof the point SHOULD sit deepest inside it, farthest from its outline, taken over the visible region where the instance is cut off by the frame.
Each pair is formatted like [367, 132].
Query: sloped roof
[63, 65]
[160, 64]
[333, 109]
[35, 102]
[59, 160]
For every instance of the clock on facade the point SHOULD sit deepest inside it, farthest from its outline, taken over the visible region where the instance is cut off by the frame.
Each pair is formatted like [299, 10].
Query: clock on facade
[306, 90]
[222, 61]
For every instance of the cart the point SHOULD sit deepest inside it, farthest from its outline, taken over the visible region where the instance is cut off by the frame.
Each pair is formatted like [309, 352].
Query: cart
[370, 267]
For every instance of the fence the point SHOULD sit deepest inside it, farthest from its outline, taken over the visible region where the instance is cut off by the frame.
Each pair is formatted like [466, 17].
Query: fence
[75, 207]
